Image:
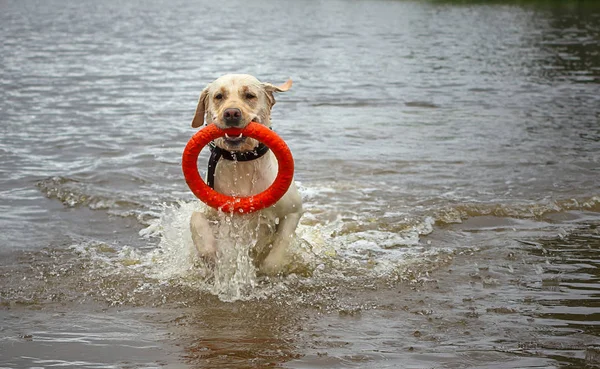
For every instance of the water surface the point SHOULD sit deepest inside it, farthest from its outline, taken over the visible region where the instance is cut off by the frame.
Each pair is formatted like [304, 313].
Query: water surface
[447, 154]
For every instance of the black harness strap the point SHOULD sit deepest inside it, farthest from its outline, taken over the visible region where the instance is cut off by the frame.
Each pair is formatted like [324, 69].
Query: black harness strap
[217, 153]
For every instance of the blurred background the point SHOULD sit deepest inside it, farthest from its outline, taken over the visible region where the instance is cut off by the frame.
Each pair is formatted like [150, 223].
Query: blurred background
[447, 153]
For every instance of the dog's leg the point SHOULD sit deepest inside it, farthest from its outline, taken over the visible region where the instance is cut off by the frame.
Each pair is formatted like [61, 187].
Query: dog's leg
[276, 260]
[202, 235]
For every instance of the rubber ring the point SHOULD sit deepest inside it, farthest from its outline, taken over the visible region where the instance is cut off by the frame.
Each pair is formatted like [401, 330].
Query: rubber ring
[219, 201]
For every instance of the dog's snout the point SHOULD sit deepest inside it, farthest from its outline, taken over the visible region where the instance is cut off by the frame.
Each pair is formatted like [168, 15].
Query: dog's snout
[232, 116]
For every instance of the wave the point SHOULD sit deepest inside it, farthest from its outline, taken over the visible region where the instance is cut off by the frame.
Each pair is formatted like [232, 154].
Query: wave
[326, 200]
[73, 193]
[460, 212]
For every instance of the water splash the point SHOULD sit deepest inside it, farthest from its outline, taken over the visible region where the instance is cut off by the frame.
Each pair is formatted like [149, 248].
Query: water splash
[321, 251]
[232, 276]
[330, 248]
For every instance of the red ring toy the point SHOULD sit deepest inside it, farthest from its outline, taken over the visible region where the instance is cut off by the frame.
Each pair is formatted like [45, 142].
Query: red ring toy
[225, 203]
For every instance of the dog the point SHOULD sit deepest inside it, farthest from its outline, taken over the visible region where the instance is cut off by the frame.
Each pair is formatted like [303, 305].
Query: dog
[235, 100]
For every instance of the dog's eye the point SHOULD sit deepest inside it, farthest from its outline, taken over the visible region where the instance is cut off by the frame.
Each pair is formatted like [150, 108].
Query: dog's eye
[250, 96]
[218, 96]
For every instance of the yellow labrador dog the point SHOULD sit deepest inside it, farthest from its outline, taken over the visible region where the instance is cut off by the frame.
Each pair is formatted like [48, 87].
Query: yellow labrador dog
[244, 167]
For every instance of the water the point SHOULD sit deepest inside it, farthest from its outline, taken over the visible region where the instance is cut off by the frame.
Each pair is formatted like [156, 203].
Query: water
[447, 154]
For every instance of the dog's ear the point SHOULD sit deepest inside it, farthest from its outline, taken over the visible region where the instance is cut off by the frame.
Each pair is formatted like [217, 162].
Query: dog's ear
[270, 89]
[201, 109]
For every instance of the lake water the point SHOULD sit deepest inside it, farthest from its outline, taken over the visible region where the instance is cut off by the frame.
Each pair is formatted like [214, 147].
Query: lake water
[448, 154]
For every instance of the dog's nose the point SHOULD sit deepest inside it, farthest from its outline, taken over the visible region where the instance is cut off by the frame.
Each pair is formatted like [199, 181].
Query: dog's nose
[232, 117]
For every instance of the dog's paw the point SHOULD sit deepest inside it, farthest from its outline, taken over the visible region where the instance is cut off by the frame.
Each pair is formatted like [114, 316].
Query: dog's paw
[208, 253]
[274, 264]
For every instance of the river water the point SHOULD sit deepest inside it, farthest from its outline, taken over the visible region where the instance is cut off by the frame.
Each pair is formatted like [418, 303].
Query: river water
[448, 155]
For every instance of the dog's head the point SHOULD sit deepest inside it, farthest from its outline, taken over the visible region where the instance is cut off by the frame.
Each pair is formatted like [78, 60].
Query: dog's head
[234, 100]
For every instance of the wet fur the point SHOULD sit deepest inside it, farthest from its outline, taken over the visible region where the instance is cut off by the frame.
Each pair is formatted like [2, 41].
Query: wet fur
[275, 226]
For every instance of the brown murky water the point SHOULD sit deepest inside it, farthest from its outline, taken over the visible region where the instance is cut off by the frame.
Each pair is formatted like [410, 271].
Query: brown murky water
[447, 153]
